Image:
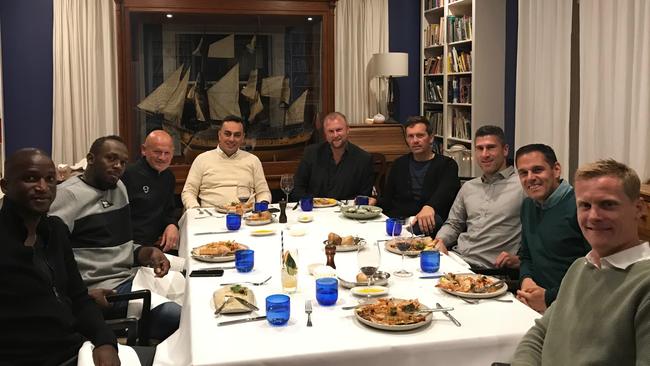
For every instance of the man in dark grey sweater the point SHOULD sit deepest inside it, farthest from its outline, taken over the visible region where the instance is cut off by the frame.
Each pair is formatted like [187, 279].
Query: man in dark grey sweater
[602, 312]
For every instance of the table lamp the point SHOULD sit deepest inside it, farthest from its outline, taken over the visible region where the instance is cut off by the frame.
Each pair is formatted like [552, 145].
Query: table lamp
[388, 66]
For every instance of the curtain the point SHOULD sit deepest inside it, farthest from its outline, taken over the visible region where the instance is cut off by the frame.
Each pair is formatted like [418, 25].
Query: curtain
[85, 77]
[361, 31]
[544, 75]
[615, 82]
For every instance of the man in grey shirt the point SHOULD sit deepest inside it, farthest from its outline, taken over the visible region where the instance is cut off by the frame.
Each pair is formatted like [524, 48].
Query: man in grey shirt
[483, 226]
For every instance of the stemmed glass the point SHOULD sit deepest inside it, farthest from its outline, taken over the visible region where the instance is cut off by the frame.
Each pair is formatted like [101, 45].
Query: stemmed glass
[286, 183]
[368, 259]
[403, 244]
[243, 193]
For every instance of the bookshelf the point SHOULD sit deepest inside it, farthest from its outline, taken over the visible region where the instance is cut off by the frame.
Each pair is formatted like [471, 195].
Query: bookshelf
[463, 70]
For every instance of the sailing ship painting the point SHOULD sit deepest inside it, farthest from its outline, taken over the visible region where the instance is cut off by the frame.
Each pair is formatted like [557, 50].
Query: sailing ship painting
[191, 110]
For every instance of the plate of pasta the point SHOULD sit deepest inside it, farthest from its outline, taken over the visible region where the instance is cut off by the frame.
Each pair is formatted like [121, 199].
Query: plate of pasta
[394, 315]
[474, 286]
[218, 251]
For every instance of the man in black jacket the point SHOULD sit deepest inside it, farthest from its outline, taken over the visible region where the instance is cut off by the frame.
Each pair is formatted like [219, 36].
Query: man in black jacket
[46, 313]
[421, 183]
[150, 185]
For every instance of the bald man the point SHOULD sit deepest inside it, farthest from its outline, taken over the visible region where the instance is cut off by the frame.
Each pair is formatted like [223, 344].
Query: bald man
[150, 185]
[46, 313]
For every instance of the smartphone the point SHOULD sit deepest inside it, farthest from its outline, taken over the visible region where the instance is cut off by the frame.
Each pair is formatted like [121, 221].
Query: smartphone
[207, 273]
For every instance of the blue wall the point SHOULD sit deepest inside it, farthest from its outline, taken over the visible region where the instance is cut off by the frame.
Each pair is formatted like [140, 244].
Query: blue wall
[512, 22]
[27, 73]
[404, 36]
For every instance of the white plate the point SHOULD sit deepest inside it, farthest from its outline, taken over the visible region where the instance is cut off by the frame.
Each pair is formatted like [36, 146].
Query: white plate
[214, 258]
[258, 222]
[228, 209]
[233, 306]
[383, 281]
[395, 328]
[305, 218]
[262, 232]
[371, 291]
[349, 248]
[368, 212]
[408, 253]
[479, 295]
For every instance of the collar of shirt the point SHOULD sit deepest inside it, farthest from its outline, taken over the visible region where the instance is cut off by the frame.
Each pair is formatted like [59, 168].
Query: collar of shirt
[556, 197]
[502, 174]
[224, 155]
[623, 259]
[330, 154]
[148, 167]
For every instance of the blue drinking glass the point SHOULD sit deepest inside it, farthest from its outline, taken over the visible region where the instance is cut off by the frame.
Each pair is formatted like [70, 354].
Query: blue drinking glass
[393, 226]
[307, 203]
[430, 261]
[327, 291]
[244, 260]
[233, 221]
[361, 200]
[278, 309]
[261, 206]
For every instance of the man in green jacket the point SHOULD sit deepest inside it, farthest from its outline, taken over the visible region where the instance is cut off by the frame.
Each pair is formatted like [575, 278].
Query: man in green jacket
[602, 312]
[550, 237]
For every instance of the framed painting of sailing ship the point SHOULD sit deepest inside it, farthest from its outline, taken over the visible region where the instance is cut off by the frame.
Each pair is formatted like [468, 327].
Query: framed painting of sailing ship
[187, 65]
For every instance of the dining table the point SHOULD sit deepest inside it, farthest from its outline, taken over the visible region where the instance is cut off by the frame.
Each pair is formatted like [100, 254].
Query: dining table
[489, 330]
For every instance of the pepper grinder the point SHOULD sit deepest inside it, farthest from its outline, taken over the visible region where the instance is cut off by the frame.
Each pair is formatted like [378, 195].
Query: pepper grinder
[330, 251]
[283, 212]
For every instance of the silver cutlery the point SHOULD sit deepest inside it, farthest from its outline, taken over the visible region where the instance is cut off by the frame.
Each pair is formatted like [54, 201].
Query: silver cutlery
[449, 316]
[243, 302]
[218, 311]
[424, 310]
[245, 320]
[212, 232]
[249, 282]
[493, 285]
[476, 301]
[296, 206]
[308, 310]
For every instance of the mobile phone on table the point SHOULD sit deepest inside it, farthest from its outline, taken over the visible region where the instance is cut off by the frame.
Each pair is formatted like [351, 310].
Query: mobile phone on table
[207, 273]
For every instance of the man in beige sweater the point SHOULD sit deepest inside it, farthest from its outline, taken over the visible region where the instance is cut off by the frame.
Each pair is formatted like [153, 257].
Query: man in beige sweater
[215, 174]
[602, 312]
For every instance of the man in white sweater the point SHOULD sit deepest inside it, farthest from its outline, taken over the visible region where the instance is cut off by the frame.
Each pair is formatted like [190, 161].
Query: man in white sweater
[215, 174]
[602, 312]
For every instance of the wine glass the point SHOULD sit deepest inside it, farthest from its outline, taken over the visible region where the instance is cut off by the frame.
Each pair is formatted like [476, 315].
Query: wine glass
[286, 183]
[368, 259]
[243, 193]
[403, 244]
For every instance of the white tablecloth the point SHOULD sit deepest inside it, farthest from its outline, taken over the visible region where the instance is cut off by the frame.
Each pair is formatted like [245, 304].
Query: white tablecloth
[490, 330]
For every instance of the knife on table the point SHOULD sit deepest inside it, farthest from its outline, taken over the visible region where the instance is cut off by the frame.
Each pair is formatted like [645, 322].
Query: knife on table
[212, 232]
[246, 303]
[446, 313]
[245, 320]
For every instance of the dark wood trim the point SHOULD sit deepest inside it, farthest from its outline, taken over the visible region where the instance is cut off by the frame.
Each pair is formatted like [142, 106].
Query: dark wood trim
[124, 9]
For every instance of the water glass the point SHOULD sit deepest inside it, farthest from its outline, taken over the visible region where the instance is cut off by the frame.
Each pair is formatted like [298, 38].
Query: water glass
[393, 226]
[430, 261]
[289, 271]
[327, 291]
[233, 221]
[244, 260]
[261, 206]
[278, 309]
[307, 204]
[361, 200]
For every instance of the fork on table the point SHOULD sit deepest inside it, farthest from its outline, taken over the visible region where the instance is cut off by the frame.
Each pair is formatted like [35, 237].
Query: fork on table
[308, 310]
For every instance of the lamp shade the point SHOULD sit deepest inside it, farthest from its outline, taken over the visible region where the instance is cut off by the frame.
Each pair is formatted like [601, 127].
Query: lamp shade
[391, 64]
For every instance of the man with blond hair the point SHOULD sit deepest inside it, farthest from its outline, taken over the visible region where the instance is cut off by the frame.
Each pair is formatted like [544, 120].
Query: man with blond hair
[602, 312]
[336, 168]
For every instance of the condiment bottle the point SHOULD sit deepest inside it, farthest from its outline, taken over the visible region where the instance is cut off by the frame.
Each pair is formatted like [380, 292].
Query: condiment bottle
[283, 212]
[330, 251]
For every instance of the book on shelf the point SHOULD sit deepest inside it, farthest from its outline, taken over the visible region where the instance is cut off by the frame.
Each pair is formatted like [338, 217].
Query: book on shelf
[432, 35]
[433, 65]
[459, 28]
[435, 120]
[433, 91]
[459, 61]
[461, 124]
[437, 147]
[459, 90]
